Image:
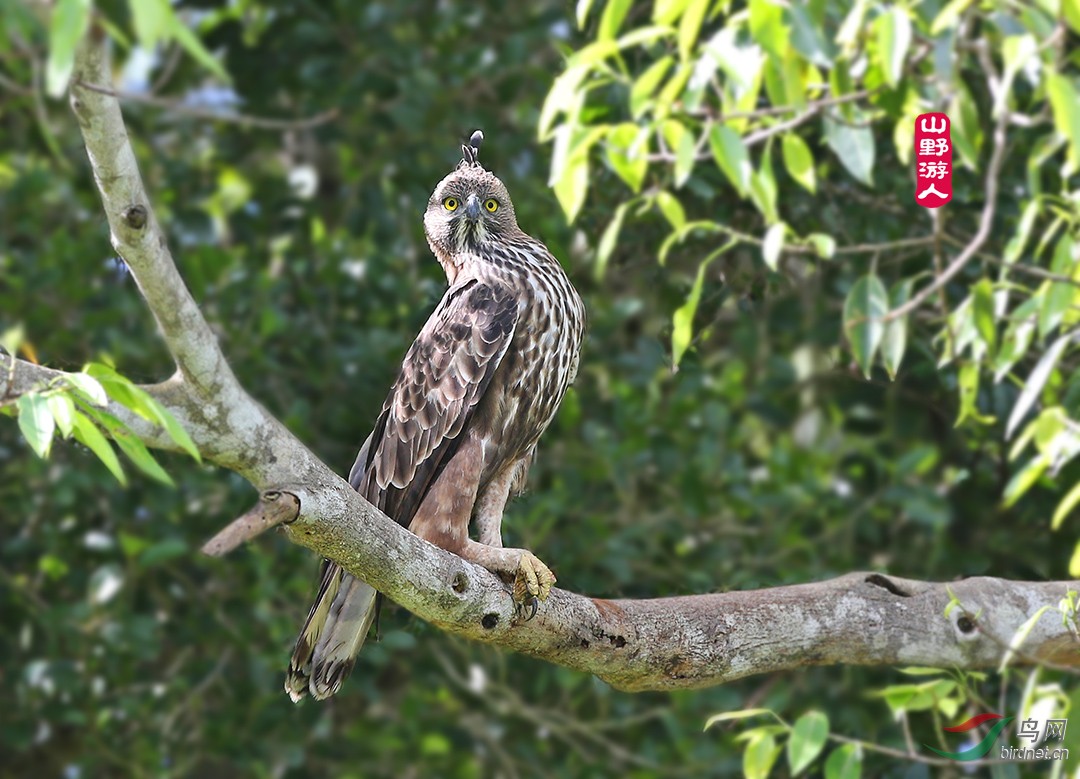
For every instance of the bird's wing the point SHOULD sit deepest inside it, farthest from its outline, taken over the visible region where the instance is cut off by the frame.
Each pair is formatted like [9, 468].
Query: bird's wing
[443, 377]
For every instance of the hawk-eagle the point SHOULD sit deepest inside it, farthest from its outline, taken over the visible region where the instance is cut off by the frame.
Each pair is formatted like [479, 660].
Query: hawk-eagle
[457, 432]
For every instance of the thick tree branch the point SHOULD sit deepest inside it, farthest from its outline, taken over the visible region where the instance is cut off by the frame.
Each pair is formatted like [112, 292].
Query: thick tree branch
[693, 641]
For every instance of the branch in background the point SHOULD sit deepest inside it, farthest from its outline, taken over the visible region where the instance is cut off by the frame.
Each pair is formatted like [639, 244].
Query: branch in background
[667, 643]
[245, 120]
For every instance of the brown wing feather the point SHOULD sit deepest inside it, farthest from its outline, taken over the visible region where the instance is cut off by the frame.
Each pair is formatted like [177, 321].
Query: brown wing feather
[443, 377]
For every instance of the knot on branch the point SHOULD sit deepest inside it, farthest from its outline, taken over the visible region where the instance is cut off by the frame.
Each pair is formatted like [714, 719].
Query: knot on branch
[135, 217]
[275, 507]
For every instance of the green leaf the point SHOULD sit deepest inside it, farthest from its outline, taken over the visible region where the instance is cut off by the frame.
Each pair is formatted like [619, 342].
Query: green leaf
[1023, 479]
[759, 756]
[135, 398]
[191, 43]
[968, 381]
[682, 141]
[138, 453]
[683, 319]
[63, 412]
[88, 435]
[1058, 295]
[89, 387]
[824, 245]
[1014, 346]
[948, 16]
[690, 26]
[807, 740]
[763, 188]
[967, 130]
[1066, 106]
[866, 304]
[773, 245]
[667, 11]
[983, 311]
[572, 186]
[641, 93]
[625, 151]
[67, 25]
[1067, 504]
[152, 20]
[672, 210]
[1016, 244]
[845, 762]
[799, 162]
[1070, 12]
[10, 341]
[854, 147]
[729, 716]
[730, 154]
[894, 340]
[767, 27]
[614, 13]
[608, 240]
[893, 38]
[582, 12]
[36, 422]
[1035, 383]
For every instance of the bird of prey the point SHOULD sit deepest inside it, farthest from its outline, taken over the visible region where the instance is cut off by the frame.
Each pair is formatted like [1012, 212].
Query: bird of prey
[457, 433]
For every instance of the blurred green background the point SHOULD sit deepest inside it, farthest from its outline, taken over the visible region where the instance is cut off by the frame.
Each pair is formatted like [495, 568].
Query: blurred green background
[766, 458]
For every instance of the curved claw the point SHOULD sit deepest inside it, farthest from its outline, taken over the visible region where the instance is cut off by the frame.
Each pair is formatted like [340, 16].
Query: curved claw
[532, 603]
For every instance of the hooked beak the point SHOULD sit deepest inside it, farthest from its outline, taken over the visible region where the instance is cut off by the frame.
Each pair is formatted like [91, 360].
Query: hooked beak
[472, 208]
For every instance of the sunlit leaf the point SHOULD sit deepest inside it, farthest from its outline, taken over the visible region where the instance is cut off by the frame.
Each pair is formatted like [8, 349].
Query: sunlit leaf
[1065, 507]
[88, 435]
[759, 756]
[63, 412]
[690, 26]
[36, 422]
[1058, 296]
[625, 152]
[893, 38]
[1035, 383]
[611, 20]
[807, 740]
[672, 209]
[67, 26]
[844, 762]
[799, 161]
[1066, 108]
[824, 245]
[641, 94]
[773, 245]
[608, 240]
[983, 311]
[88, 386]
[730, 154]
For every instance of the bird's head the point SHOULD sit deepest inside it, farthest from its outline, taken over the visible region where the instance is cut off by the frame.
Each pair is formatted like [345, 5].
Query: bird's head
[468, 209]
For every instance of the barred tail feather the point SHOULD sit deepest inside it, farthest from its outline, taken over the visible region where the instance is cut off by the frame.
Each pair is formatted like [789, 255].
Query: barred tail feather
[332, 635]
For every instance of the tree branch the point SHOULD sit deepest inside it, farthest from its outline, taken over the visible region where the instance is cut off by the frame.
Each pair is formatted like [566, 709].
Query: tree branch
[667, 643]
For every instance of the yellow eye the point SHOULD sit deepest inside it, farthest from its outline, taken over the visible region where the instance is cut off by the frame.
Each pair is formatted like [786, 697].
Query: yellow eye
[450, 204]
[491, 204]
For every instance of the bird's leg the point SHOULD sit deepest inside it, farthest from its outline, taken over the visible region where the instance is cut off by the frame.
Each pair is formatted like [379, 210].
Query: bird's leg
[490, 506]
[532, 579]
